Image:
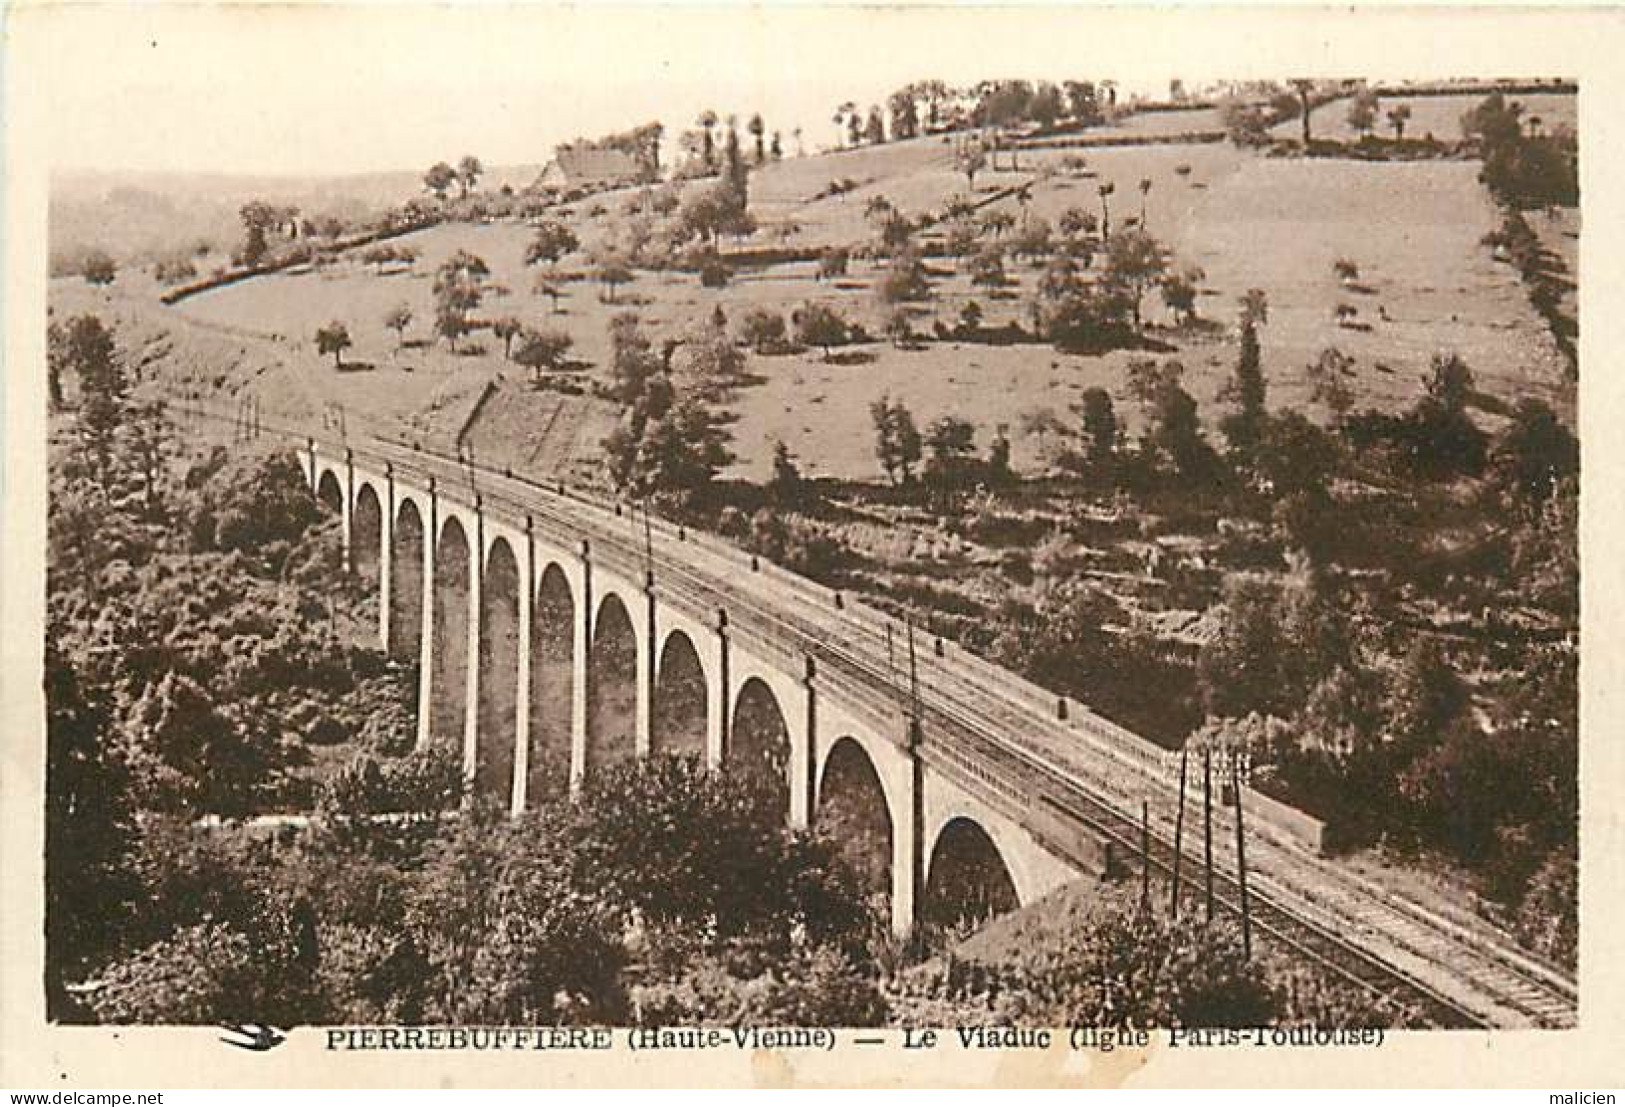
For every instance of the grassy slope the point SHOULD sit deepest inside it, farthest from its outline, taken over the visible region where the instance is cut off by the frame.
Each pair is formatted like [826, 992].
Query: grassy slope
[1249, 221]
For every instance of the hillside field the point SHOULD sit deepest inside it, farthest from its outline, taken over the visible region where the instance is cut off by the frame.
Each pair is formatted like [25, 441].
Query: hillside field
[1425, 285]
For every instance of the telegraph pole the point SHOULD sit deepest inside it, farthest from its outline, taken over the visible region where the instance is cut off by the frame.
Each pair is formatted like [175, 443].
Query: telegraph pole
[1145, 855]
[913, 673]
[1179, 831]
[1241, 865]
[1207, 830]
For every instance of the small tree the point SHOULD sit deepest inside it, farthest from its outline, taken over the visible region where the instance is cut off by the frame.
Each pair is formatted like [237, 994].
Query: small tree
[785, 486]
[1179, 292]
[551, 242]
[507, 329]
[1328, 382]
[763, 330]
[1135, 262]
[612, 272]
[951, 444]
[897, 439]
[334, 339]
[539, 350]
[1099, 424]
[904, 281]
[899, 328]
[987, 267]
[398, 319]
[970, 317]
[439, 178]
[971, 160]
[549, 288]
[832, 263]
[468, 173]
[99, 268]
[1363, 112]
[821, 325]
[1398, 116]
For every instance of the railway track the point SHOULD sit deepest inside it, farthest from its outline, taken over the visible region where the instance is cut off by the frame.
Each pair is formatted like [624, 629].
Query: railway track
[1001, 738]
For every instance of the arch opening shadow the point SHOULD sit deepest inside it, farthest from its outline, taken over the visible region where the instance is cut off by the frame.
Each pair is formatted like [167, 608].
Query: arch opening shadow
[967, 882]
[406, 584]
[366, 538]
[449, 689]
[612, 687]
[329, 493]
[759, 742]
[499, 675]
[552, 688]
[852, 809]
[677, 723]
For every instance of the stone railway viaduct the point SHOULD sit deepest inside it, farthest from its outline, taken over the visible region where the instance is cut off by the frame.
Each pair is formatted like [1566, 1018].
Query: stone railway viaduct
[557, 634]
[545, 659]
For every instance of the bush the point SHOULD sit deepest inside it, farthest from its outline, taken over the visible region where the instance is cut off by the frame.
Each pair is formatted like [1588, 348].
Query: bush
[816, 987]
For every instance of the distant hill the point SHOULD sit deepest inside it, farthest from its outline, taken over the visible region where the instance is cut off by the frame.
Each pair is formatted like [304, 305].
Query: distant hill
[139, 216]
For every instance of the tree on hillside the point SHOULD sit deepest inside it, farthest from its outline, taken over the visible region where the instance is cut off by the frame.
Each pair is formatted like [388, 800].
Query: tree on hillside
[612, 271]
[1105, 190]
[90, 351]
[950, 445]
[1328, 382]
[551, 242]
[334, 339]
[971, 160]
[1398, 116]
[98, 268]
[1100, 428]
[1147, 378]
[397, 319]
[634, 365]
[905, 121]
[1255, 307]
[904, 281]
[763, 330]
[56, 360]
[1305, 89]
[539, 350]
[757, 129]
[1145, 191]
[987, 267]
[439, 177]
[458, 289]
[1135, 262]
[1179, 290]
[507, 329]
[677, 453]
[874, 132]
[897, 439]
[1244, 427]
[832, 263]
[259, 220]
[707, 123]
[707, 363]
[469, 170]
[1363, 112]
[820, 325]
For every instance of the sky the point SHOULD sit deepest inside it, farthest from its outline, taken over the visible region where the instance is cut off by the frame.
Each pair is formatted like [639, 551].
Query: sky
[302, 89]
[306, 88]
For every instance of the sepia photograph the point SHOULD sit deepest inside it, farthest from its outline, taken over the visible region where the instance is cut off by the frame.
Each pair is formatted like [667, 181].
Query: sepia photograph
[976, 547]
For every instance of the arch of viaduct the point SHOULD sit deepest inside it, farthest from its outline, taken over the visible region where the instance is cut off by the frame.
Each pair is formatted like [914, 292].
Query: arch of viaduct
[542, 662]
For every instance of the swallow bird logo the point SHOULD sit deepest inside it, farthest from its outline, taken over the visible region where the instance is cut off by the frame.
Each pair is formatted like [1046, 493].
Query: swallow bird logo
[252, 1035]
